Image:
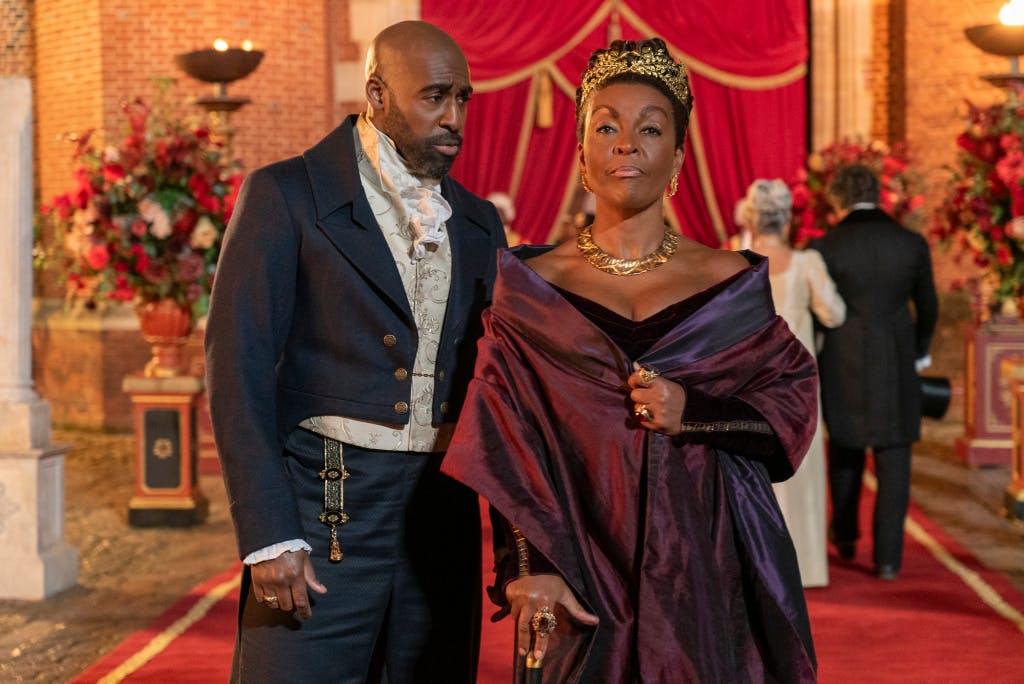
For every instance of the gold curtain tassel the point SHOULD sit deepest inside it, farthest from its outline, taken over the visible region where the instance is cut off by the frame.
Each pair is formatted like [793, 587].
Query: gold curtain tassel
[545, 100]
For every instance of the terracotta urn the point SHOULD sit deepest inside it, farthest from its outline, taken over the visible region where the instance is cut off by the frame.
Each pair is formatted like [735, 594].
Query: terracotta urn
[165, 325]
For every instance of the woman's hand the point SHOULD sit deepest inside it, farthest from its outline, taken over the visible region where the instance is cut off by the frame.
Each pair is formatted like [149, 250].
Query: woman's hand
[532, 593]
[659, 403]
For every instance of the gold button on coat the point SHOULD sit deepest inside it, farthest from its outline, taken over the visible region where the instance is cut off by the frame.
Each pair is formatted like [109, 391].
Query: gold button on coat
[390, 340]
[401, 374]
[444, 407]
[440, 376]
[401, 408]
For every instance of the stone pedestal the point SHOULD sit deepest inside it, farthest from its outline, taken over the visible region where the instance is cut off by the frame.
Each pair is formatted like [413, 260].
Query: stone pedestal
[987, 438]
[34, 560]
[167, 490]
[1013, 371]
[209, 459]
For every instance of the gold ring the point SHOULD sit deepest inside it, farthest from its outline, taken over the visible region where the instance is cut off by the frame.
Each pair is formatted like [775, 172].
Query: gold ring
[647, 376]
[543, 622]
[642, 411]
[270, 599]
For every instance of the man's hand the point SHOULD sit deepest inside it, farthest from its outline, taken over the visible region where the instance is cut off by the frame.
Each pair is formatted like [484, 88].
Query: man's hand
[281, 582]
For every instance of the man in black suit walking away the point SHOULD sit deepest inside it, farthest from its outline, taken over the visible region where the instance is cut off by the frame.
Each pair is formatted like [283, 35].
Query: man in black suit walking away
[340, 342]
[870, 391]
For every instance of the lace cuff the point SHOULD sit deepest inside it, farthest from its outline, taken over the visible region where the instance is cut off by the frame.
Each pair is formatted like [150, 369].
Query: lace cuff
[274, 550]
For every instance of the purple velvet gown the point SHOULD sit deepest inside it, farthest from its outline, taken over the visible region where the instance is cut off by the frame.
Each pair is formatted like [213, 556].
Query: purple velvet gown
[678, 546]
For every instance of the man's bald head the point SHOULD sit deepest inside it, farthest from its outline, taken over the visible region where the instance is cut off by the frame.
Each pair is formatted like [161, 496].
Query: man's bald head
[417, 87]
[400, 42]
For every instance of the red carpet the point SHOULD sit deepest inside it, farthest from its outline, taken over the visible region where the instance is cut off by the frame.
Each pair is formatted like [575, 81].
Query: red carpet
[946, 619]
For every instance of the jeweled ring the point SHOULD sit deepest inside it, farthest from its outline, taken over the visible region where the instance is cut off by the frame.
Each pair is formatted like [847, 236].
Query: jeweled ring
[642, 411]
[269, 599]
[647, 375]
[543, 622]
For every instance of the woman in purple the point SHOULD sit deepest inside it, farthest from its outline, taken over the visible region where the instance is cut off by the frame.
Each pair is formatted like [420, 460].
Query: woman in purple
[635, 396]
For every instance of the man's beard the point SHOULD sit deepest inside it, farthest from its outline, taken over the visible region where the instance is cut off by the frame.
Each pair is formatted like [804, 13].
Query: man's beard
[419, 154]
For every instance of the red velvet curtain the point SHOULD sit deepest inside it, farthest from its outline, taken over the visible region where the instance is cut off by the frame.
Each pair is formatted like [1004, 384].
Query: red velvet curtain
[747, 65]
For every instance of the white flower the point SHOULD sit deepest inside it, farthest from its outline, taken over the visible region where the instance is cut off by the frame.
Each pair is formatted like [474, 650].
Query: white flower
[111, 154]
[204, 234]
[85, 219]
[158, 220]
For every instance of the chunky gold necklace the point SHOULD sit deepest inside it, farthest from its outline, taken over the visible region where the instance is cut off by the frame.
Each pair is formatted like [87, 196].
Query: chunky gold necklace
[604, 261]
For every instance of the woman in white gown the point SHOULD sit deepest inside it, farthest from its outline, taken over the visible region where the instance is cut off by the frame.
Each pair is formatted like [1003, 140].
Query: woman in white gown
[801, 286]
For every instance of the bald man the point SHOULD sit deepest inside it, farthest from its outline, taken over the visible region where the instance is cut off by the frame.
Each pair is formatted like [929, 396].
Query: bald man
[340, 341]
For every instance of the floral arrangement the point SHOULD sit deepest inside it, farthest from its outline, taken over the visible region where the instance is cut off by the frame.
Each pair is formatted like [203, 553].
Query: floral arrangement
[900, 196]
[982, 215]
[144, 219]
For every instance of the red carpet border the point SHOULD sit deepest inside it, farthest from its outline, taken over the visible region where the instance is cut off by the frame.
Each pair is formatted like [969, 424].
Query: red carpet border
[945, 619]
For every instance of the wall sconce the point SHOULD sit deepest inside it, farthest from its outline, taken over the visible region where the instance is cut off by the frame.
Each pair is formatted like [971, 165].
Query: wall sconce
[220, 65]
[1005, 39]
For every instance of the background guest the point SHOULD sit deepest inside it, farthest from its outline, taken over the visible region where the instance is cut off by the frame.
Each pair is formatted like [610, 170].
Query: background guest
[871, 394]
[801, 287]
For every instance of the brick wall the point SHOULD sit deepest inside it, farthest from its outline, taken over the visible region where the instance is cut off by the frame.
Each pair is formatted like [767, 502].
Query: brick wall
[16, 37]
[887, 70]
[79, 361]
[93, 54]
[879, 73]
[90, 55]
[942, 70]
[68, 85]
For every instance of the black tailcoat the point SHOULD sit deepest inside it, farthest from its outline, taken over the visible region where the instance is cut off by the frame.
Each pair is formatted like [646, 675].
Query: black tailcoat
[870, 391]
[309, 317]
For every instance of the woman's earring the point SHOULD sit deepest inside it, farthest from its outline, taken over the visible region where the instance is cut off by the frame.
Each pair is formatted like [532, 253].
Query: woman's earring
[673, 186]
[583, 180]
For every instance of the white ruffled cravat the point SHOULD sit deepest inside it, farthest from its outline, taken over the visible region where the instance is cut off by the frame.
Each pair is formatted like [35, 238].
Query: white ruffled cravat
[424, 208]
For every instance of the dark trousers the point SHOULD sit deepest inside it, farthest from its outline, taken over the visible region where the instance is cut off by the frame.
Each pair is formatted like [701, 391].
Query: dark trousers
[892, 470]
[403, 606]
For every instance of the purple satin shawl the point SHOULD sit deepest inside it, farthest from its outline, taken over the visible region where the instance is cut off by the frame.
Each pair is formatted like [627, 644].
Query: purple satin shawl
[679, 548]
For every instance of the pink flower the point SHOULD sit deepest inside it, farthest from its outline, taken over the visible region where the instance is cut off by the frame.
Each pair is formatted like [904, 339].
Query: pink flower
[190, 268]
[156, 273]
[1015, 228]
[156, 217]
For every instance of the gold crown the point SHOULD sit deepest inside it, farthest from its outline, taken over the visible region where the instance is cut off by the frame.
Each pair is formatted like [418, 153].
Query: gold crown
[647, 58]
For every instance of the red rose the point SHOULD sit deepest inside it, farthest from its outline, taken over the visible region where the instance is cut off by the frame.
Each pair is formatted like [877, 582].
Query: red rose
[1004, 256]
[97, 257]
[113, 172]
[141, 263]
[186, 222]
[122, 294]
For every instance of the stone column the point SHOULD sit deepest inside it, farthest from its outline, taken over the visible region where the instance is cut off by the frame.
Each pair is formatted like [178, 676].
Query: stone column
[36, 562]
[840, 62]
